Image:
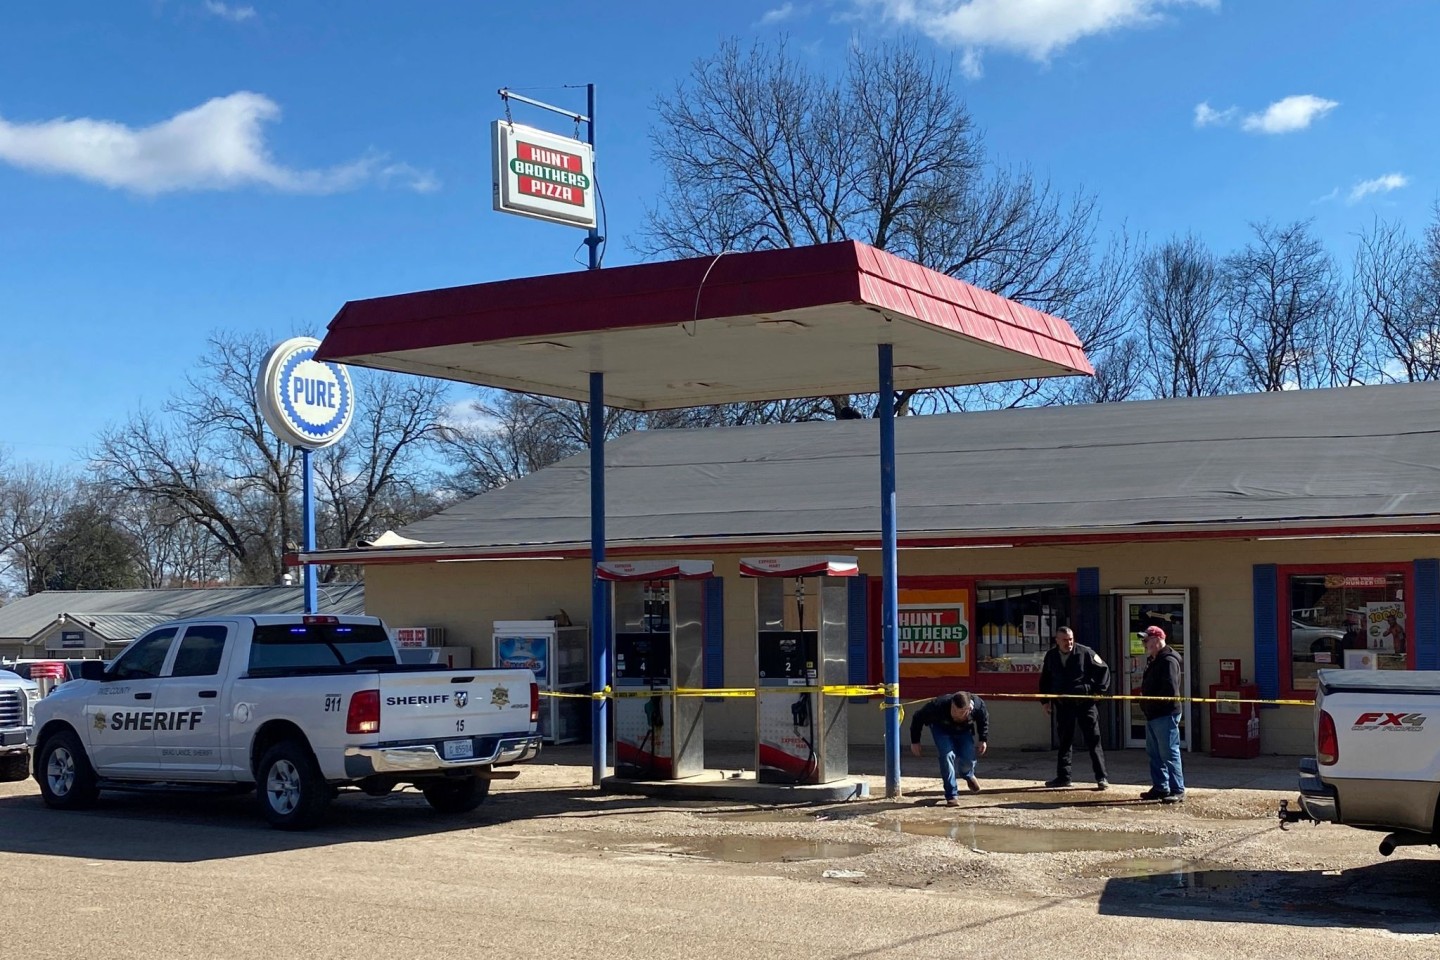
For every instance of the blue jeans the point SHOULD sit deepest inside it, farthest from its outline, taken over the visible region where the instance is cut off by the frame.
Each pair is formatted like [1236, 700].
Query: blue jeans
[1162, 745]
[957, 758]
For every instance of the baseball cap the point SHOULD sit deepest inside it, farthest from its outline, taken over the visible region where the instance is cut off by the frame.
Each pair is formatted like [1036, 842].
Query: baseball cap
[1154, 633]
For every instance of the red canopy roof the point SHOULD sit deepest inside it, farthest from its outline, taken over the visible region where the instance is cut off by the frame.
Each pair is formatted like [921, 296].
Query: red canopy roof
[766, 325]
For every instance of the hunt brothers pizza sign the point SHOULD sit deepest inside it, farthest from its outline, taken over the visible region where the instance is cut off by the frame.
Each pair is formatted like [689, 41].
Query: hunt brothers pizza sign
[541, 175]
[933, 633]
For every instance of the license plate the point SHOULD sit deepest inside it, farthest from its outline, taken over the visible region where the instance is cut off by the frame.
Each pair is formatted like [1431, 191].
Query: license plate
[459, 749]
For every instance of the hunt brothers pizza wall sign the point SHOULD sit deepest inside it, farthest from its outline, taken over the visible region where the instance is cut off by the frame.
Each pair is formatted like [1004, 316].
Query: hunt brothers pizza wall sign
[541, 175]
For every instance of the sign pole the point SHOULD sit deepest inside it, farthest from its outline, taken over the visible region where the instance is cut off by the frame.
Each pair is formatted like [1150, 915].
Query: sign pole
[312, 592]
[551, 178]
[592, 239]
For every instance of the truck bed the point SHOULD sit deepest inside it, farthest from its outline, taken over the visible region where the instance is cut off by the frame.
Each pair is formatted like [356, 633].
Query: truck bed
[1405, 682]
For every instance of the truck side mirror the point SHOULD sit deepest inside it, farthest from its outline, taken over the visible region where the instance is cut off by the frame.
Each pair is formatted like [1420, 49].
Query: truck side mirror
[92, 669]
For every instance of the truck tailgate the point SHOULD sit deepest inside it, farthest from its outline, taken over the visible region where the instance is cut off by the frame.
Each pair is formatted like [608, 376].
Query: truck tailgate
[435, 705]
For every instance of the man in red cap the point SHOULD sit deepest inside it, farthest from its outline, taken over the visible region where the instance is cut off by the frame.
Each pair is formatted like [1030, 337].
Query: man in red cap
[1162, 718]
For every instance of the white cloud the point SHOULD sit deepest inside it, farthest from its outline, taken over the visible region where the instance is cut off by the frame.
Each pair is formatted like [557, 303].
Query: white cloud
[1289, 114]
[783, 12]
[1381, 184]
[1032, 28]
[219, 145]
[1208, 116]
[225, 11]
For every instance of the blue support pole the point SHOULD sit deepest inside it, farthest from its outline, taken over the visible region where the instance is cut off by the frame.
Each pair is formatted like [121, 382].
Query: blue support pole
[307, 496]
[890, 588]
[599, 592]
[592, 240]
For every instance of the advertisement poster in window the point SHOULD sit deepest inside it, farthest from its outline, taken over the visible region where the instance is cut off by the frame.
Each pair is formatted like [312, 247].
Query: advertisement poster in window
[934, 634]
[1385, 628]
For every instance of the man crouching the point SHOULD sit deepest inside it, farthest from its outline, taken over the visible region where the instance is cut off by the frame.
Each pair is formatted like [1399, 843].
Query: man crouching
[960, 726]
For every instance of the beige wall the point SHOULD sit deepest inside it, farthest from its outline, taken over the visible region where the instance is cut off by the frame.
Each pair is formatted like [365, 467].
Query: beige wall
[465, 597]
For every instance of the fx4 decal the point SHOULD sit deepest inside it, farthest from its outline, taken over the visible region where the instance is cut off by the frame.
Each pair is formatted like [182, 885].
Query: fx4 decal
[1389, 721]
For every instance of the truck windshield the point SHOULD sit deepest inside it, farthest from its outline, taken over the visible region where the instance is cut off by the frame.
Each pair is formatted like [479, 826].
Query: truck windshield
[318, 646]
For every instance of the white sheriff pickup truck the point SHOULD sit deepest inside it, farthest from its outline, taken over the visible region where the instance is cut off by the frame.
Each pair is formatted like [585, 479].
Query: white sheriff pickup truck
[295, 707]
[1377, 756]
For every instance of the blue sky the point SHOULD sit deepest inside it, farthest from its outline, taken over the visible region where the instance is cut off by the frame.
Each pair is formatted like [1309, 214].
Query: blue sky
[173, 167]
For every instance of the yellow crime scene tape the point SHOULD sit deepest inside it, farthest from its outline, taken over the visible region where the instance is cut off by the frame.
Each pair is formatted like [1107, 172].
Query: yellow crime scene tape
[883, 690]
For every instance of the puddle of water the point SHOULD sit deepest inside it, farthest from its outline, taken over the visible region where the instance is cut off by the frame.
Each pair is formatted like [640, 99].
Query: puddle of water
[999, 838]
[751, 849]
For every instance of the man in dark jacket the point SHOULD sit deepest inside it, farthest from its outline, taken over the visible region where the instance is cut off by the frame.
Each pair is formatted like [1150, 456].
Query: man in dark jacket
[1163, 678]
[960, 726]
[1073, 668]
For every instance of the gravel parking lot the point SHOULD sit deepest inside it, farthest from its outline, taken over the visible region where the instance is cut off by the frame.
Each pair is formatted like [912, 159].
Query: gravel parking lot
[551, 866]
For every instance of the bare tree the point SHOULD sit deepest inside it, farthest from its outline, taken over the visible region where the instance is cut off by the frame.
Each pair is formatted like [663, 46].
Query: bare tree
[759, 151]
[1281, 296]
[211, 462]
[378, 475]
[1397, 292]
[1181, 295]
[33, 499]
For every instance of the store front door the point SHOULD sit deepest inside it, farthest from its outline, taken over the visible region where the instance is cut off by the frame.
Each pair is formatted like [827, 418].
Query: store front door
[1171, 613]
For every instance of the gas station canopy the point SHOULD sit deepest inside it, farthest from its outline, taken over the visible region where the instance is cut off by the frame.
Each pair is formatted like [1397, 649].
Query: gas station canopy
[767, 325]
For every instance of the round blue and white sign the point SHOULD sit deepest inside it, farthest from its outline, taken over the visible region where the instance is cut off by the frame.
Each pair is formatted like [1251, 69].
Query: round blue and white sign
[307, 402]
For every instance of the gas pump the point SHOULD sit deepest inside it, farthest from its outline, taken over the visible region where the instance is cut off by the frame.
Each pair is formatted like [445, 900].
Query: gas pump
[658, 648]
[801, 646]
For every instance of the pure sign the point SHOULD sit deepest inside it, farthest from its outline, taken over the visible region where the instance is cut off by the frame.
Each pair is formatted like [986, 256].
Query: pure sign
[307, 402]
[541, 175]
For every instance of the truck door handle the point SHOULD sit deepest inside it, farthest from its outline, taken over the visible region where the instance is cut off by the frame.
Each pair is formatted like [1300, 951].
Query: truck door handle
[143, 696]
[209, 694]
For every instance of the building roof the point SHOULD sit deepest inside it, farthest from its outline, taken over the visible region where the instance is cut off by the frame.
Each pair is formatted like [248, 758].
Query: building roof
[1342, 459]
[122, 610]
[795, 322]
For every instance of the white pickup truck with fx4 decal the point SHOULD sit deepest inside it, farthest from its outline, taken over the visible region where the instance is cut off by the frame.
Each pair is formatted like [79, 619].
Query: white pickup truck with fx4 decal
[1377, 755]
[295, 707]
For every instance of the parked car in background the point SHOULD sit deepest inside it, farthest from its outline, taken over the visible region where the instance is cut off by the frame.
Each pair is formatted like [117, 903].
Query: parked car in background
[17, 713]
[31, 669]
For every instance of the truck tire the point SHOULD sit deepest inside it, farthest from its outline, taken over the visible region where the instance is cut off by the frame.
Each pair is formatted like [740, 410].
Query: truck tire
[460, 795]
[14, 767]
[67, 781]
[293, 794]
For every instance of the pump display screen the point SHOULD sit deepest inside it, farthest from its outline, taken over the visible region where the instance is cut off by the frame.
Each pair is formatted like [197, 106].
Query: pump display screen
[787, 654]
[642, 656]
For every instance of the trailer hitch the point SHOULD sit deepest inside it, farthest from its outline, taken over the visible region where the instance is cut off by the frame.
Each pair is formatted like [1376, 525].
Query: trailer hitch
[1288, 816]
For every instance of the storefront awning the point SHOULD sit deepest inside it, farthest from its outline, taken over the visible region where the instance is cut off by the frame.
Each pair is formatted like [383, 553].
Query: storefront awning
[799, 567]
[617, 570]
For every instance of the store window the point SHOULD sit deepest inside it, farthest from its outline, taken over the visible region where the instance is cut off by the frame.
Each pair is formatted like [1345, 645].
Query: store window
[1346, 620]
[1015, 624]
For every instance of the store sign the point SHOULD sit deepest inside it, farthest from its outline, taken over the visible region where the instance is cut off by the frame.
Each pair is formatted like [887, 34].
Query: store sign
[307, 402]
[1337, 580]
[542, 175]
[72, 639]
[410, 636]
[937, 633]
[935, 641]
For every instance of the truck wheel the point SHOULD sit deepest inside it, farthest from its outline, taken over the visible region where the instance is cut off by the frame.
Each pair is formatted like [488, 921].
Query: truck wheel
[67, 781]
[14, 767]
[292, 793]
[456, 796]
